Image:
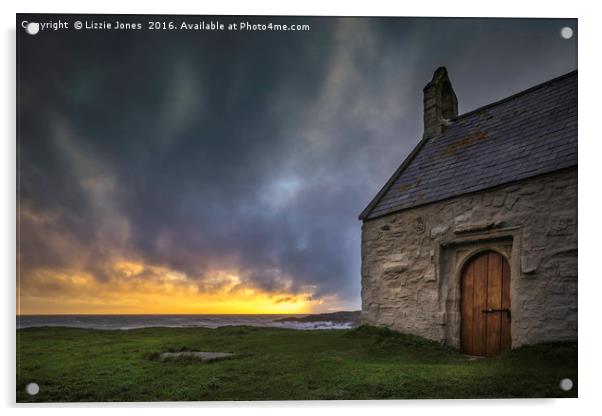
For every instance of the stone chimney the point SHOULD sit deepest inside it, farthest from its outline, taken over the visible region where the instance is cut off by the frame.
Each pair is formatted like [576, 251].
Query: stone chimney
[440, 104]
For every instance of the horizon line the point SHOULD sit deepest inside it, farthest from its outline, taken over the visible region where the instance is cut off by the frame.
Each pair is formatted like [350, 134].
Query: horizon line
[172, 314]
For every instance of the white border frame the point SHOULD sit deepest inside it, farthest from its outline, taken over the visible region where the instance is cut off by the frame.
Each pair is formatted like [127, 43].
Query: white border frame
[589, 202]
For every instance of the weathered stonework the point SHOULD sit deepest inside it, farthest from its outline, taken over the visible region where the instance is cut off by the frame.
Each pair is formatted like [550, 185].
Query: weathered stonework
[412, 260]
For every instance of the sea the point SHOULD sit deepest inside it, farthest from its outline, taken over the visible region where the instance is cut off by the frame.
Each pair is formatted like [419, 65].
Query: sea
[126, 322]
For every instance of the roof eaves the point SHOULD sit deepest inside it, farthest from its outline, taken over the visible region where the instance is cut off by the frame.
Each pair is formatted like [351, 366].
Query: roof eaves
[366, 212]
[478, 191]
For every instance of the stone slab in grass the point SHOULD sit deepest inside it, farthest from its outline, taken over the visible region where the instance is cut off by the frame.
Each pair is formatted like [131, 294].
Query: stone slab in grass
[201, 355]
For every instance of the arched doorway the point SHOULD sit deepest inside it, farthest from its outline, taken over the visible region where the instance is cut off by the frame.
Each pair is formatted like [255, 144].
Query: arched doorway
[486, 305]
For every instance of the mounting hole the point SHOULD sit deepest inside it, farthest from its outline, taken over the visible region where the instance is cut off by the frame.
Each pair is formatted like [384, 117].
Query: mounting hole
[32, 389]
[566, 384]
[566, 32]
[32, 28]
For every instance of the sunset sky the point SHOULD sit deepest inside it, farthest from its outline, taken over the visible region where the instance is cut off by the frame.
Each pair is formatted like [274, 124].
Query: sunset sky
[223, 172]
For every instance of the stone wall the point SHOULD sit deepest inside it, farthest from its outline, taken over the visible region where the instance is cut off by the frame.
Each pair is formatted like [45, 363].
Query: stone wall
[412, 260]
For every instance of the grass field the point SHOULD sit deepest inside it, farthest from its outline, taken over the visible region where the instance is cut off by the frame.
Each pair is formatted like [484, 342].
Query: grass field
[276, 364]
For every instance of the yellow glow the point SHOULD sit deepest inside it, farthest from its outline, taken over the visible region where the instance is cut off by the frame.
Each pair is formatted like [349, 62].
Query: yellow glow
[160, 291]
[128, 268]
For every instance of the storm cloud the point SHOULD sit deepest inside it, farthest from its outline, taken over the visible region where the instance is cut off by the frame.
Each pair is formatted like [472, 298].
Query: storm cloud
[246, 152]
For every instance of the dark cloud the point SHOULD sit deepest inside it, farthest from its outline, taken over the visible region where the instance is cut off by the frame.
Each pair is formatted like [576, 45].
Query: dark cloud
[249, 151]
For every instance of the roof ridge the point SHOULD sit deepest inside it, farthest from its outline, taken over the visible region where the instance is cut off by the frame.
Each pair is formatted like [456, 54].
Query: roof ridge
[515, 95]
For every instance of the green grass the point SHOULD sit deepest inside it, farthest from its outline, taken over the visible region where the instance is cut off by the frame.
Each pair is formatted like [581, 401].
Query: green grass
[276, 364]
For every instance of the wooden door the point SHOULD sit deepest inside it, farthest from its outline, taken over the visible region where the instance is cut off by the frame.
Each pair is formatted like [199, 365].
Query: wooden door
[486, 305]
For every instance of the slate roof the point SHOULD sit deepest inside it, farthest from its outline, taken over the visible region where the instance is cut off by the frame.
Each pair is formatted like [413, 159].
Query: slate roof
[527, 134]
